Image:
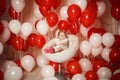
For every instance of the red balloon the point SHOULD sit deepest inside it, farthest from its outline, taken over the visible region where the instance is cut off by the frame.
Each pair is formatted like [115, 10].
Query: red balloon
[1, 75]
[18, 43]
[18, 63]
[38, 1]
[31, 39]
[115, 11]
[25, 46]
[52, 19]
[115, 55]
[2, 7]
[97, 63]
[12, 36]
[74, 12]
[48, 3]
[101, 31]
[74, 27]
[39, 41]
[91, 75]
[92, 31]
[115, 77]
[56, 4]
[89, 15]
[76, 58]
[54, 65]
[1, 28]
[13, 14]
[43, 10]
[116, 42]
[73, 67]
[63, 25]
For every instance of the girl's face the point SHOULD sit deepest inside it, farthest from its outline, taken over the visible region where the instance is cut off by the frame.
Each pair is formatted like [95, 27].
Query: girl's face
[62, 36]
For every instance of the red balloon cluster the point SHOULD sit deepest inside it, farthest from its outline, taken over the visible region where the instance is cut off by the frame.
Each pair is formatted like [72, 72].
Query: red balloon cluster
[92, 30]
[32, 40]
[97, 63]
[13, 14]
[46, 5]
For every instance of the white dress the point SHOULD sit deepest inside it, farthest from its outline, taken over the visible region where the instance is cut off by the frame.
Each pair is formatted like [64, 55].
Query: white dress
[60, 43]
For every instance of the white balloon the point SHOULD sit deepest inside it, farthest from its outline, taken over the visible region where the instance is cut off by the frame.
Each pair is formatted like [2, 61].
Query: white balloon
[85, 64]
[37, 12]
[95, 40]
[15, 26]
[84, 30]
[26, 28]
[28, 63]
[1, 48]
[101, 8]
[5, 23]
[8, 64]
[18, 5]
[97, 51]
[85, 48]
[105, 54]
[42, 61]
[104, 72]
[108, 39]
[81, 3]
[50, 78]
[13, 73]
[47, 71]
[42, 27]
[63, 12]
[5, 35]
[78, 77]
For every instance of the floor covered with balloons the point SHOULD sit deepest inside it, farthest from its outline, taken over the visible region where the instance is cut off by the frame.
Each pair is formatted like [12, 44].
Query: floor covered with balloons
[59, 39]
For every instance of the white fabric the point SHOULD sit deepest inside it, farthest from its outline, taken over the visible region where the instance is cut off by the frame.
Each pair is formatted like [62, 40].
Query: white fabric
[65, 54]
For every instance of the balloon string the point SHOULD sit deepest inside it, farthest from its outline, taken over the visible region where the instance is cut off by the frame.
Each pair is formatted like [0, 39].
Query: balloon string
[59, 68]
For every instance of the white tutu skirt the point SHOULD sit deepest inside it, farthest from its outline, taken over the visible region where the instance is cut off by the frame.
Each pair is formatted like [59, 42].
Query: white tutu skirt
[64, 55]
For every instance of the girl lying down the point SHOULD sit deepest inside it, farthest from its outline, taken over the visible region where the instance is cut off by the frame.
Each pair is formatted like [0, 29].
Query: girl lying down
[61, 43]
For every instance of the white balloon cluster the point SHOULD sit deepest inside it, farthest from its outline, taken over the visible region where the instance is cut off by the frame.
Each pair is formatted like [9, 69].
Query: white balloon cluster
[47, 71]
[94, 45]
[16, 27]
[11, 71]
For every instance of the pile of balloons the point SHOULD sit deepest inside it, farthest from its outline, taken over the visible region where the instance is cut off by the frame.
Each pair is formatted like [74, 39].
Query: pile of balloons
[98, 56]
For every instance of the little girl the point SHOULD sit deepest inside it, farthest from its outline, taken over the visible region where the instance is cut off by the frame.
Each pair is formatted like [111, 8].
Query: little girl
[61, 43]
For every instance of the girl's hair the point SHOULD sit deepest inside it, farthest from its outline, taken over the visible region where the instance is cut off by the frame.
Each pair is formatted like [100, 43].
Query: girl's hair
[61, 31]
